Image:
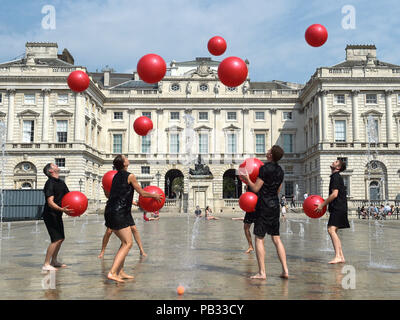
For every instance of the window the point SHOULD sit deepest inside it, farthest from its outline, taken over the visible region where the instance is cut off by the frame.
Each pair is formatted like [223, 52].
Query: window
[231, 115]
[62, 130]
[118, 115]
[340, 130]
[117, 143]
[28, 131]
[203, 87]
[287, 142]
[60, 162]
[260, 143]
[346, 181]
[398, 98]
[175, 87]
[26, 186]
[232, 143]
[1, 98]
[203, 143]
[175, 115]
[289, 190]
[289, 169]
[146, 170]
[147, 114]
[26, 166]
[371, 99]
[144, 184]
[287, 115]
[203, 115]
[260, 115]
[174, 143]
[62, 98]
[146, 144]
[232, 89]
[339, 99]
[29, 98]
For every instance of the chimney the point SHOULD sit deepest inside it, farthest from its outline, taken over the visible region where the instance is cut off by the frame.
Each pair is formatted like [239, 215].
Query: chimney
[360, 52]
[66, 56]
[41, 50]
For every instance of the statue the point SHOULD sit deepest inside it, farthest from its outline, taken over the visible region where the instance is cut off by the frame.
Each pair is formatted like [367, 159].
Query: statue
[188, 88]
[200, 169]
[216, 88]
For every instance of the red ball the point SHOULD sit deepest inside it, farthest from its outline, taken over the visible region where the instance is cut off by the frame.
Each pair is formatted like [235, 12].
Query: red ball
[216, 45]
[232, 71]
[310, 204]
[151, 68]
[75, 200]
[107, 179]
[78, 81]
[252, 167]
[143, 125]
[151, 204]
[316, 35]
[248, 201]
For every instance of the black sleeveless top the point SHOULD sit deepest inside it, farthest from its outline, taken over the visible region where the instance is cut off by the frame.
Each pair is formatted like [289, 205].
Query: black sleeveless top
[118, 209]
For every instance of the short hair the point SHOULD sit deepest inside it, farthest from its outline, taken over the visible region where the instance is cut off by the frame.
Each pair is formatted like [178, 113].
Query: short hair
[118, 162]
[342, 165]
[277, 153]
[46, 170]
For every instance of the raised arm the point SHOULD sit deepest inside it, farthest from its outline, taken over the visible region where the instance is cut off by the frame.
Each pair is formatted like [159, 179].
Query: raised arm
[132, 180]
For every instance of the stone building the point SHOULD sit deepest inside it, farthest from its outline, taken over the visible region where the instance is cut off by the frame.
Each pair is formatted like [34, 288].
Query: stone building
[350, 110]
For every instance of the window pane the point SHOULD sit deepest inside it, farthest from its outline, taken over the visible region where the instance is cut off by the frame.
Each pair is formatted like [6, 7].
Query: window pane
[287, 115]
[29, 99]
[117, 143]
[203, 115]
[231, 143]
[60, 162]
[174, 115]
[260, 143]
[62, 130]
[147, 114]
[174, 143]
[289, 190]
[288, 143]
[62, 98]
[231, 115]
[146, 144]
[339, 99]
[340, 130]
[146, 170]
[260, 115]
[28, 131]
[203, 143]
[1, 97]
[371, 98]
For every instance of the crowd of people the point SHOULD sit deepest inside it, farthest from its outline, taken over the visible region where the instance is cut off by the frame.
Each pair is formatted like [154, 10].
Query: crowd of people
[378, 212]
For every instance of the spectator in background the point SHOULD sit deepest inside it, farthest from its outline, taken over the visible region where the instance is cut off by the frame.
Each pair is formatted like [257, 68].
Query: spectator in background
[363, 212]
[391, 210]
[292, 203]
[197, 212]
[387, 209]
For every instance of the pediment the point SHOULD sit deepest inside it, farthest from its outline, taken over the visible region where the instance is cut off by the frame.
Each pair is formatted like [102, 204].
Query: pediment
[62, 113]
[28, 113]
[372, 113]
[231, 127]
[203, 127]
[174, 128]
[340, 113]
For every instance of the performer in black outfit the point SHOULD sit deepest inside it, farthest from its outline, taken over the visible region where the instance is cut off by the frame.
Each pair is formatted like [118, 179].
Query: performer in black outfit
[337, 201]
[118, 213]
[249, 218]
[54, 190]
[268, 186]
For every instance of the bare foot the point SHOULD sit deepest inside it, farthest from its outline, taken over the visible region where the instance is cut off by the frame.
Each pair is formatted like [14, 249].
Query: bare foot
[58, 265]
[336, 260]
[259, 276]
[48, 267]
[249, 250]
[123, 275]
[101, 255]
[284, 275]
[114, 277]
[143, 254]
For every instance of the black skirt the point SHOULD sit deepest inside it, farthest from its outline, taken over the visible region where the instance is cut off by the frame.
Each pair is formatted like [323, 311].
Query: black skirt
[116, 221]
[338, 219]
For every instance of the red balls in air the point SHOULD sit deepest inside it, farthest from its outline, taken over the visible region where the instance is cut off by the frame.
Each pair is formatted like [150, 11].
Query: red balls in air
[75, 200]
[248, 201]
[216, 45]
[143, 125]
[151, 204]
[151, 68]
[310, 204]
[107, 180]
[316, 35]
[232, 71]
[78, 81]
[252, 167]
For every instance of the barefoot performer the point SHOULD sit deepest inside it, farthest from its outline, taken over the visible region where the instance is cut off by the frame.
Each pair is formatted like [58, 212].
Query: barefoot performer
[118, 213]
[337, 201]
[54, 190]
[135, 233]
[267, 186]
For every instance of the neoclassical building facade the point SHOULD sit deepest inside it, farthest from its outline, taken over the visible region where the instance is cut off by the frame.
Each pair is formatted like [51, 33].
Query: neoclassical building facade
[350, 110]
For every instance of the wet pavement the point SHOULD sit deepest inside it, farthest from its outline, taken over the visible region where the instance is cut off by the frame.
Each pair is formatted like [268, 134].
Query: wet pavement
[206, 257]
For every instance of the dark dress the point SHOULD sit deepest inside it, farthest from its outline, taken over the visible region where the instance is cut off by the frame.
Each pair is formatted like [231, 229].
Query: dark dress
[118, 208]
[53, 218]
[338, 207]
[268, 205]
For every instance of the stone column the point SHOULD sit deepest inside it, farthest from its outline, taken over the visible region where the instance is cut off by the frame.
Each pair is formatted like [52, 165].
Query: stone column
[45, 115]
[389, 116]
[272, 112]
[10, 115]
[95, 138]
[244, 132]
[89, 137]
[355, 118]
[324, 114]
[216, 146]
[79, 128]
[131, 113]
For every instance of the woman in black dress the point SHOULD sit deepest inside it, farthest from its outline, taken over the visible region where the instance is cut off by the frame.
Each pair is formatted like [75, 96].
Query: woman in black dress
[337, 201]
[118, 213]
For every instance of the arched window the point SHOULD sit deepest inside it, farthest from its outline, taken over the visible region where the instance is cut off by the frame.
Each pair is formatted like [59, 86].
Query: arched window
[26, 186]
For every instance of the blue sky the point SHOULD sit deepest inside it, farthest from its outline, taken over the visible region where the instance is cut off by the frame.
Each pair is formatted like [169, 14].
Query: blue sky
[270, 34]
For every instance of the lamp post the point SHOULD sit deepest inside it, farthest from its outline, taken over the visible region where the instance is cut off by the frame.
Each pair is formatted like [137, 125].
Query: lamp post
[158, 176]
[167, 187]
[80, 185]
[236, 184]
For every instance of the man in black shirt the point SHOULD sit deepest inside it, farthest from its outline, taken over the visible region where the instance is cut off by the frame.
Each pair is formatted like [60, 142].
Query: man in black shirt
[337, 201]
[268, 186]
[54, 190]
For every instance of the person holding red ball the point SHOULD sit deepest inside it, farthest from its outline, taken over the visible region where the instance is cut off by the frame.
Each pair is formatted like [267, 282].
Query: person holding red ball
[118, 216]
[54, 190]
[268, 186]
[337, 201]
